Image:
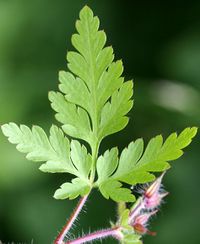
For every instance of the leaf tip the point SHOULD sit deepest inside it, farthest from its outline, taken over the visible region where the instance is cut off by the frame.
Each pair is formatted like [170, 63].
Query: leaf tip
[50, 94]
[56, 195]
[85, 12]
[42, 168]
[4, 128]
[194, 130]
[8, 128]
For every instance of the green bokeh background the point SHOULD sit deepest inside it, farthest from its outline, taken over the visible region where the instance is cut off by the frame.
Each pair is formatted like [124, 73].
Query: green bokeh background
[159, 43]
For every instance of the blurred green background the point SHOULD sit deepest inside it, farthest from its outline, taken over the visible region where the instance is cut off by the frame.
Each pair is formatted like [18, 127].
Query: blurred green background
[159, 43]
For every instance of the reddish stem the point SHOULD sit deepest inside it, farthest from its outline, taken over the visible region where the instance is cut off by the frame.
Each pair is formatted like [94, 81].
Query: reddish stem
[68, 225]
[139, 205]
[114, 232]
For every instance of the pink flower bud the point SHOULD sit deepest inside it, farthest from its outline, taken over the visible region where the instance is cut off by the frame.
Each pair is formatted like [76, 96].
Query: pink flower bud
[146, 206]
[140, 229]
[154, 195]
[150, 199]
[142, 219]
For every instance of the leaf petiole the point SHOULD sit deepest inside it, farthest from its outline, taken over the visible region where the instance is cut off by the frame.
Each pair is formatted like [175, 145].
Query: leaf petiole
[114, 232]
[95, 150]
[71, 220]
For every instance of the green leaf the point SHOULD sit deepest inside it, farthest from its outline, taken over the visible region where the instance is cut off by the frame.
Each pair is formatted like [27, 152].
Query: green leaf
[38, 147]
[136, 165]
[55, 150]
[130, 154]
[93, 102]
[72, 190]
[75, 119]
[81, 159]
[112, 189]
[107, 164]
[132, 239]
[133, 169]
[96, 99]
[113, 117]
[60, 154]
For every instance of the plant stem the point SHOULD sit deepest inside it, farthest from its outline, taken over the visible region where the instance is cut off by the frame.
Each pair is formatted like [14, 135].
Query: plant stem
[94, 159]
[68, 225]
[136, 209]
[121, 206]
[114, 232]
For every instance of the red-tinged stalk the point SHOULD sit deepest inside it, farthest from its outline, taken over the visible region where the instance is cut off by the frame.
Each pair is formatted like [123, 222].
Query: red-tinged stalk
[136, 210]
[70, 222]
[114, 232]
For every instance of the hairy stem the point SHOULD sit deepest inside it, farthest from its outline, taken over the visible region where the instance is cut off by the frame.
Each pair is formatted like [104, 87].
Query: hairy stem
[138, 206]
[121, 206]
[113, 232]
[68, 225]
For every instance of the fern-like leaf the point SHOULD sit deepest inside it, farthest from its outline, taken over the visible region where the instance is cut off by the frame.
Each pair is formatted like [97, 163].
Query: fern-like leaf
[93, 103]
[94, 92]
[136, 165]
[59, 154]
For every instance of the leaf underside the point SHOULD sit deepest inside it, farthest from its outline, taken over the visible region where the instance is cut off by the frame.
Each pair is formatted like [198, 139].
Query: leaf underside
[72, 190]
[94, 98]
[60, 155]
[93, 102]
[136, 164]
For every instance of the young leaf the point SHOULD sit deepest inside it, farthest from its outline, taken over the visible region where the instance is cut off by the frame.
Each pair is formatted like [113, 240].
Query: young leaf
[72, 190]
[96, 99]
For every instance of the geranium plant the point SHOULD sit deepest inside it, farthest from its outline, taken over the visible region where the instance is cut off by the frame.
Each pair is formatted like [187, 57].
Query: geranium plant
[92, 103]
